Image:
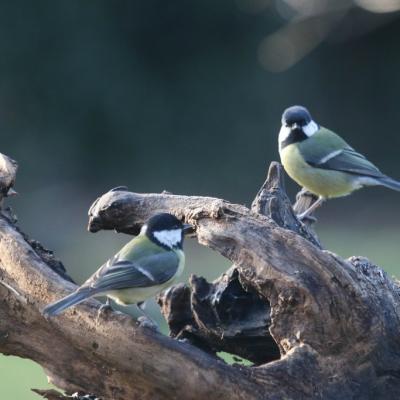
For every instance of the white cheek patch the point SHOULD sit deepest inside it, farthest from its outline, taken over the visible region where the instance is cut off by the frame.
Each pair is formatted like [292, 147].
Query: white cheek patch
[284, 133]
[3, 162]
[310, 128]
[169, 238]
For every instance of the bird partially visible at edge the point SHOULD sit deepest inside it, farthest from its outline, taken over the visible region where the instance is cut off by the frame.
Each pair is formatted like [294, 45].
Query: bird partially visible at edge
[145, 266]
[8, 173]
[322, 162]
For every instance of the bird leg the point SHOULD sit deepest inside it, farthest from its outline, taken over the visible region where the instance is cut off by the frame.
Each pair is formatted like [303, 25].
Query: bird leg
[145, 320]
[104, 308]
[311, 209]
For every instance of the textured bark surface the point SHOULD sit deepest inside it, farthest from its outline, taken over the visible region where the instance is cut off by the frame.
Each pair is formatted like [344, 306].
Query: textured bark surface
[335, 323]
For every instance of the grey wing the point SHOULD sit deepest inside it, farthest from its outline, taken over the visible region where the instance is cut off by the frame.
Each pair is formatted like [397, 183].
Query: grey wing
[122, 274]
[348, 160]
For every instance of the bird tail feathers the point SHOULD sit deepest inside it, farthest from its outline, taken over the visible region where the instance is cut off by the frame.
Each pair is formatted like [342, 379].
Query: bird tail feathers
[390, 183]
[66, 302]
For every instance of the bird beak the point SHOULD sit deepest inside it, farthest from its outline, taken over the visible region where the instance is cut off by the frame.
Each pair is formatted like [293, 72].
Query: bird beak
[187, 229]
[295, 126]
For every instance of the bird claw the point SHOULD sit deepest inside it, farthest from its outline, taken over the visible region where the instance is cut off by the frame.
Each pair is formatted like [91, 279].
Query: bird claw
[146, 322]
[103, 310]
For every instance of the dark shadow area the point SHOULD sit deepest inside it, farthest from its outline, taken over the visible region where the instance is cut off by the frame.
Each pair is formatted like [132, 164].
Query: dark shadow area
[221, 316]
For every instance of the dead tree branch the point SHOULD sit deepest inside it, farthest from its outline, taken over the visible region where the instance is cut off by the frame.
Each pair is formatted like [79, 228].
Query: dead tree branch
[330, 325]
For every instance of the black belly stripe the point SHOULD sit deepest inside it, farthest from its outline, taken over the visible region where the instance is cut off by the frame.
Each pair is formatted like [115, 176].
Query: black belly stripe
[295, 136]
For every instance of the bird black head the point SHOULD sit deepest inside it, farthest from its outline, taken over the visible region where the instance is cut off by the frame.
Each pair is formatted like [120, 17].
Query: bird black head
[296, 116]
[163, 221]
[297, 125]
[165, 230]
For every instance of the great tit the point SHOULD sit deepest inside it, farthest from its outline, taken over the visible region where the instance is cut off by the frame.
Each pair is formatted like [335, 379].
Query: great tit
[145, 266]
[321, 161]
[8, 172]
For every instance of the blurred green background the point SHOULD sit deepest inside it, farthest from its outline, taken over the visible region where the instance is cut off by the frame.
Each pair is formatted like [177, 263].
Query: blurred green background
[187, 96]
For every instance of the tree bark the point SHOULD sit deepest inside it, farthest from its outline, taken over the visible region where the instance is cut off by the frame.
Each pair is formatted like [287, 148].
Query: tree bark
[315, 326]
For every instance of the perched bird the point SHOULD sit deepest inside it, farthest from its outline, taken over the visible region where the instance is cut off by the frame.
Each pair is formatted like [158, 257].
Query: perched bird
[8, 172]
[321, 161]
[142, 268]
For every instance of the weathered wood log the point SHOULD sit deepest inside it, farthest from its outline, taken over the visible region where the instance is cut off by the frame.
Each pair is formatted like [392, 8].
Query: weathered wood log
[335, 322]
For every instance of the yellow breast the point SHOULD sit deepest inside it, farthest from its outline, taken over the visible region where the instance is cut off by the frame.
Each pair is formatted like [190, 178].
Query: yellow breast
[319, 181]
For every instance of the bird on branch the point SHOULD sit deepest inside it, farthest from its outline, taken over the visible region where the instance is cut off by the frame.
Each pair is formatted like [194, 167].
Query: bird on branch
[322, 162]
[145, 266]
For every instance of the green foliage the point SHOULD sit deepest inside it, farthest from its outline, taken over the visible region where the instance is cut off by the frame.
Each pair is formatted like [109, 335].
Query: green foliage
[233, 359]
[18, 376]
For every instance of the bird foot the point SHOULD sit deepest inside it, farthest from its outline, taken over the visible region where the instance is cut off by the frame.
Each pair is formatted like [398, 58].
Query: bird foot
[306, 218]
[146, 322]
[103, 310]
[307, 213]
